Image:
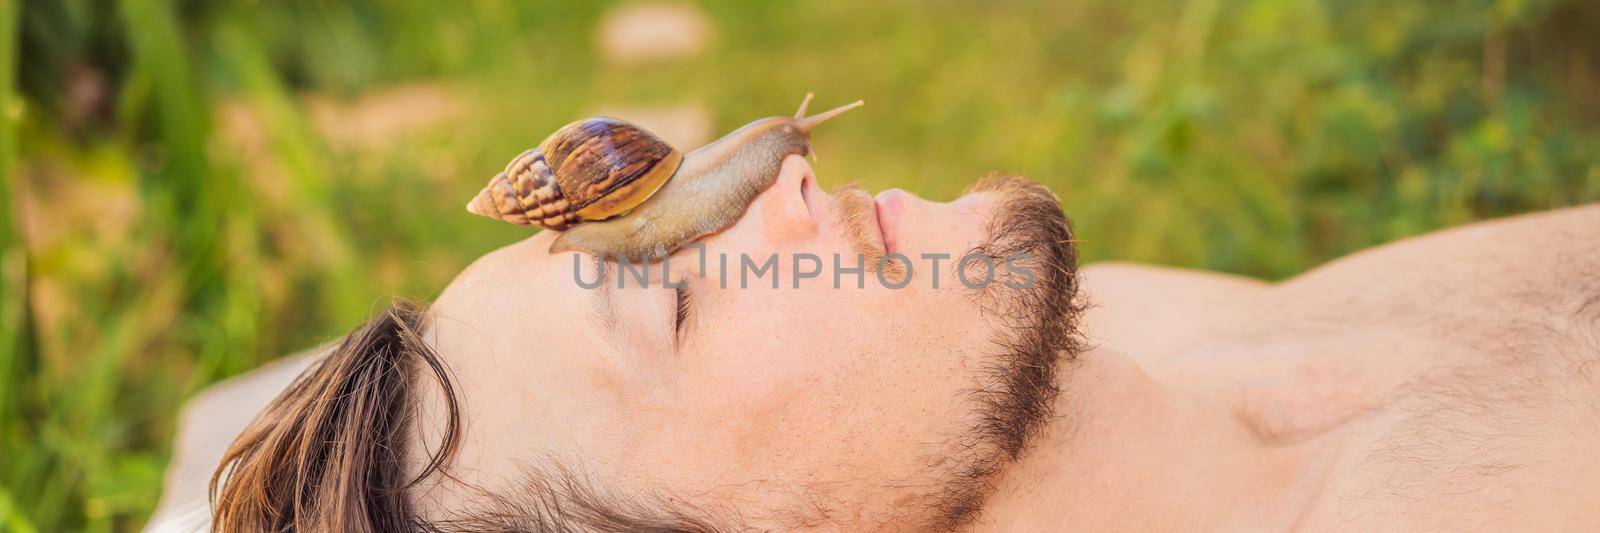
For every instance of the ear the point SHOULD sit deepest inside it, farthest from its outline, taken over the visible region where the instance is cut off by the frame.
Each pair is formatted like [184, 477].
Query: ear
[328, 454]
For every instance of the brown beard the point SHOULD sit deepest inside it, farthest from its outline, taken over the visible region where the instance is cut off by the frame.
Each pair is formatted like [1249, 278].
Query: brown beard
[1037, 333]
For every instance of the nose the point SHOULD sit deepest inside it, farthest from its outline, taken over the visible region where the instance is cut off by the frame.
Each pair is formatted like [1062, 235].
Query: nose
[787, 208]
[779, 220]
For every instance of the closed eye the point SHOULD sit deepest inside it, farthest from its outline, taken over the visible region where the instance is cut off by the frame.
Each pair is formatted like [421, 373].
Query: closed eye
[681, 317]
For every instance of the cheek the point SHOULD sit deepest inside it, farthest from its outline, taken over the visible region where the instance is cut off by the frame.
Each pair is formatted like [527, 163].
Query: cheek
[828, 374]
[765, 342]
[793, 392]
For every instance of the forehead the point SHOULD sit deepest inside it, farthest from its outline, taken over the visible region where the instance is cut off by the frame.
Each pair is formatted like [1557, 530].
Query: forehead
[513, 309]
[516, 332]
[520, 302]
[494, 290]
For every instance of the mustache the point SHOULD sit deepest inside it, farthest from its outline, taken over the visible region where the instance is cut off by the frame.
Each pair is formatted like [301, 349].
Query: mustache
[1027, 222]
[858, 217]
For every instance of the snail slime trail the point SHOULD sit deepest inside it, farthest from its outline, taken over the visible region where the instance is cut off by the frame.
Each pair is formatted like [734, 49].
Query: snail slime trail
[580, 178]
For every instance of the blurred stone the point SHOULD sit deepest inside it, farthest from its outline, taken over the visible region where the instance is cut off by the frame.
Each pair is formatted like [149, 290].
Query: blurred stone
[685, 127]
[643, 31]
[377, 119]
[84, 203]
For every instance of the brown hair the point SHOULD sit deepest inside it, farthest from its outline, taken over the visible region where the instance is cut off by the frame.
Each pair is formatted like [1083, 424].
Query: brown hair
[328, 454]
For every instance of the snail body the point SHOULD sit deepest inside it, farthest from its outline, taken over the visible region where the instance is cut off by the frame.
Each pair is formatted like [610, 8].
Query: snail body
[709, 190]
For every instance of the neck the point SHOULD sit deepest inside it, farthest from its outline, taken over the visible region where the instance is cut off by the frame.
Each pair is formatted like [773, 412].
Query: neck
[1132, 453]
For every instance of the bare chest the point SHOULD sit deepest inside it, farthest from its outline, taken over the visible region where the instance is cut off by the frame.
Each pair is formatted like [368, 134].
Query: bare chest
[1458, 410]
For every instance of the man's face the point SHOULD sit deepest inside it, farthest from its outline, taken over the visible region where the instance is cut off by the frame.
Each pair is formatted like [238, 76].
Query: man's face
[843, 401]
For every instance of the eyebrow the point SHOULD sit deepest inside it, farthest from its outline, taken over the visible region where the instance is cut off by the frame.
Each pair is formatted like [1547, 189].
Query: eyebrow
[603, 307]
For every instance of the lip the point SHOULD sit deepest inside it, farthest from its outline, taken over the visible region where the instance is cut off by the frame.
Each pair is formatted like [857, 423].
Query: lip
[891, 205]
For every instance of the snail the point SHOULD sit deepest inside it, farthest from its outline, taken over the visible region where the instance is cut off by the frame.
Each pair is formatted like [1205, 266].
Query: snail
[587, 173]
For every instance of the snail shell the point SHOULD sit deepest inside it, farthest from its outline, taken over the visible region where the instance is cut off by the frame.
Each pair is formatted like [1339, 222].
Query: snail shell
[592, 169]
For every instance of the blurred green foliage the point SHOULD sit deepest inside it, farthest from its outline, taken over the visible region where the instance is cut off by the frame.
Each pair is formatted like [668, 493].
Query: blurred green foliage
[194, 187]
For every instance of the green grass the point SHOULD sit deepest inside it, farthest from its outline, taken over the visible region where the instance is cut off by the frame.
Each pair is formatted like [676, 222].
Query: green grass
[176, 209]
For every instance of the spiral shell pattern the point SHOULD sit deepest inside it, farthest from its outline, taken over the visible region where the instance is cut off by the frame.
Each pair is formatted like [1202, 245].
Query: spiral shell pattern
[592, 169]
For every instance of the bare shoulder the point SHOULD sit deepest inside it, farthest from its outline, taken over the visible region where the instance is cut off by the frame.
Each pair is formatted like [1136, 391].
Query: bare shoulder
[1550, 254]
[1530, 281]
